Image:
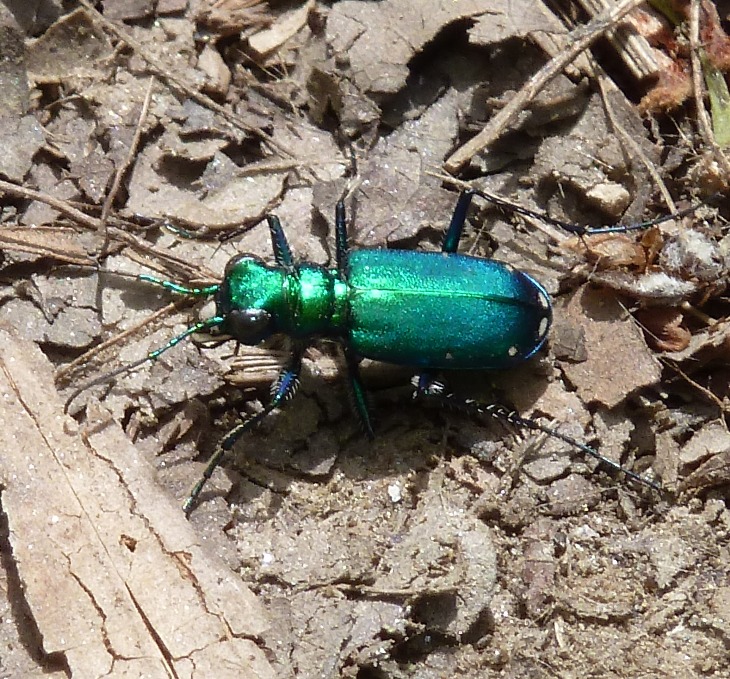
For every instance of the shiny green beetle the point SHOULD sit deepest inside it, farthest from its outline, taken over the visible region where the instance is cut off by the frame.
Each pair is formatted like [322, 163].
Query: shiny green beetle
[428, 310]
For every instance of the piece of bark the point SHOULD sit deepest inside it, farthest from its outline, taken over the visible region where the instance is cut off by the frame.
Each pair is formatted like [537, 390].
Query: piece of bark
[111, 571]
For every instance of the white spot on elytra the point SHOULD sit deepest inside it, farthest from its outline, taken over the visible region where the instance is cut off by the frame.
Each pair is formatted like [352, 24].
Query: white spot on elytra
[395, 493]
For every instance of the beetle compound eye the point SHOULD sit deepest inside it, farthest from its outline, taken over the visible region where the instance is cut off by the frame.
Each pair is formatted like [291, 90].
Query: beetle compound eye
[248, 326]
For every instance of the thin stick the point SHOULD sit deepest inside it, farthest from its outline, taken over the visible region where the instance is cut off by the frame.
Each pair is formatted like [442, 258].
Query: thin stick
[122, 169]
[61, 373]
[154, 65]
[94, 224]
[583, 38]
[62, 206]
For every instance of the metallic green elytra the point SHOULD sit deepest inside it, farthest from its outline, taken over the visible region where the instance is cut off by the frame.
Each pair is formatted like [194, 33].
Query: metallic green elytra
[429, 310]
[434, 311]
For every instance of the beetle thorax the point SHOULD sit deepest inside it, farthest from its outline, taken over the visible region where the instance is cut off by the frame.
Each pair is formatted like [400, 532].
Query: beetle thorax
[300, 301]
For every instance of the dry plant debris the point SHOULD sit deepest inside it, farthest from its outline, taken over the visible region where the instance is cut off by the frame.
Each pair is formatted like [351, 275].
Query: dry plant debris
[153, 137]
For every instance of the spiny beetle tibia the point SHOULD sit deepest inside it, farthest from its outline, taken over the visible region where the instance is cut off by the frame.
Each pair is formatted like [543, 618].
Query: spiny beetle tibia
[428, 310]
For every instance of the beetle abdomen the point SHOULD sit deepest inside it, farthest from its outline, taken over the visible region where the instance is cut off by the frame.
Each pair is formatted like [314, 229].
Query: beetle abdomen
[438, 310]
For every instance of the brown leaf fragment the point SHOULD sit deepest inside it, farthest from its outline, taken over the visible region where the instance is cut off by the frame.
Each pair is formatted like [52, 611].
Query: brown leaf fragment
[715, 472]
[664, 328]
[112, 573]
[711, 440]
[609, 251]
[77, 139]
[218, 75]
[236, 199]
[327, 92]
[20, 139]
[20, 135]
[526, 19]
[49, 181]
[227, 17]
[13, 78]
[710, 344]
[618, 361]
[50, 58]
[379, 39]
[513, 19]
[282, 29]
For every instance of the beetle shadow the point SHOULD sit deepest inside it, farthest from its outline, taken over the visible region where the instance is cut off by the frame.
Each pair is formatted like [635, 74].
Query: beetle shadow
[315, 439]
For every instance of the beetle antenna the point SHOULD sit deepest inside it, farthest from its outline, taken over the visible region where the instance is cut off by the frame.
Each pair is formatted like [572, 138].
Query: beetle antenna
[200, 326]
[577, 229]
[205, 291]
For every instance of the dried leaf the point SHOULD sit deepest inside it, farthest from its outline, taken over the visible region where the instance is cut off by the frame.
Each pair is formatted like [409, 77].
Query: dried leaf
[379, 44]
[619, 362]
[74, 45]
[665, 328]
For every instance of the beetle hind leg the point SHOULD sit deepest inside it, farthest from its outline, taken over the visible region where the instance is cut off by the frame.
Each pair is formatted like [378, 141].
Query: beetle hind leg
[436, 391]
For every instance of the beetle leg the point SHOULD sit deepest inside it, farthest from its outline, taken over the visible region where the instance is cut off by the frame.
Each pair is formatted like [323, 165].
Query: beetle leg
[578, 229]
[282, 390]
[341, 247]
[357, 391]
[458, 219]
[436, 391]
[279, 243]
[426, 385]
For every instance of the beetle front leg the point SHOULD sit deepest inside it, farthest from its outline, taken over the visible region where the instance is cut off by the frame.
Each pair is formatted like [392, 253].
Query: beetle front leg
[282, 251]
[282, 390]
